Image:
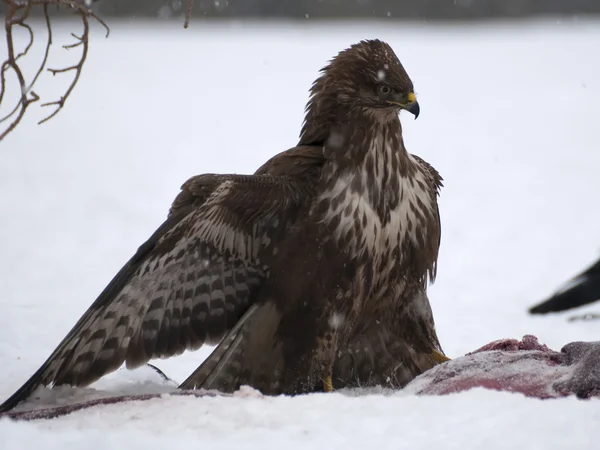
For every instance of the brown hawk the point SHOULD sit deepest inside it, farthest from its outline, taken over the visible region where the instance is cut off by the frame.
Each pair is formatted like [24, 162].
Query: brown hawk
[310, 273]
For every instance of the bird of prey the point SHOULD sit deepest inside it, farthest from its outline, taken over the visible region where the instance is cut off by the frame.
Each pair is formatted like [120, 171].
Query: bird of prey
[581, 290]
[311, 273]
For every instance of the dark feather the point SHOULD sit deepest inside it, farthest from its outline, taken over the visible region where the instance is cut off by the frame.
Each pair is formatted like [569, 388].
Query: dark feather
[187, 285]
[579, 291]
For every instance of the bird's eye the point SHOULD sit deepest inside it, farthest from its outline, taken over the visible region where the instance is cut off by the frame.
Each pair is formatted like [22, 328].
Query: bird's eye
[384, 90]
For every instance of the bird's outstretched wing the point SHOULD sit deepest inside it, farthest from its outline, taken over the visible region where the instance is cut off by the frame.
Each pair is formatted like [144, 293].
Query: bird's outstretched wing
[192, 280]
[581, 290]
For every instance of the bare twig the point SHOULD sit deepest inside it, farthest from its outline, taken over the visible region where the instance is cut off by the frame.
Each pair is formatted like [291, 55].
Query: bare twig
[11, 62]
[17, 15]
[18, 12]
[30, 31]
[47, 51]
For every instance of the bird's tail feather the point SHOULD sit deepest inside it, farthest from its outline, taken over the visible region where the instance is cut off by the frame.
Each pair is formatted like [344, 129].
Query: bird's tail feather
[220, 371]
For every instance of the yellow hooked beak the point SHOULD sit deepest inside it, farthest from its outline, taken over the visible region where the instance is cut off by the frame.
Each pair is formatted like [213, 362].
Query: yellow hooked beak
[410, 104]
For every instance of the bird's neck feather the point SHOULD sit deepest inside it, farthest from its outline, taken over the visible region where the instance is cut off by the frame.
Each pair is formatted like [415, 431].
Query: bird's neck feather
[370, 180]
[368, 150]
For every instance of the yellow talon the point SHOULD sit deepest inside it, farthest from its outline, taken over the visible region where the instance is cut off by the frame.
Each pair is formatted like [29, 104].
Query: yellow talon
[438, 357]
[327, 384]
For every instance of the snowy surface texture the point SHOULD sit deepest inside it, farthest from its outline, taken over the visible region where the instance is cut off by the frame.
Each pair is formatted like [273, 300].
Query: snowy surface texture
[509, 117]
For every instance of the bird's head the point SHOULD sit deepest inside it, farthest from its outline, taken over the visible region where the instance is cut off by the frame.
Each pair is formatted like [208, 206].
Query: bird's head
[367, 76]
[370, 75]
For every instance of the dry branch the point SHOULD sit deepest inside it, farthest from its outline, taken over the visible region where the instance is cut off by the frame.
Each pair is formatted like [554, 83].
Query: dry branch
[18, 12]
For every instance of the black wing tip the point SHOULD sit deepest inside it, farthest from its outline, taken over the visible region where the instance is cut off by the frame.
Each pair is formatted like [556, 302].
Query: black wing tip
[542, 308]
[585, 290]
[580, 295]
[21, 395]
[8, 405]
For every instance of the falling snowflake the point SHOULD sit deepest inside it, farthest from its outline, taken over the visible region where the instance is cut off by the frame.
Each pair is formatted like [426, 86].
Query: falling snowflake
[336, 320]
[221, 5]
[336, 140]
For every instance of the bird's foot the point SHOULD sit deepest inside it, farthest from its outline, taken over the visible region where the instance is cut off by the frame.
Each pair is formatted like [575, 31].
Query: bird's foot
[438, 357]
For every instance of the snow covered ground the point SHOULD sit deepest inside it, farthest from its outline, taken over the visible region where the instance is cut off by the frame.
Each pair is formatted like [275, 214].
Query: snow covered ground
[509, 117]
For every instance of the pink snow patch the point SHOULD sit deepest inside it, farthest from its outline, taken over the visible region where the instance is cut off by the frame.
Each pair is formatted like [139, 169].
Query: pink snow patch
[524, 366]
[528, 342]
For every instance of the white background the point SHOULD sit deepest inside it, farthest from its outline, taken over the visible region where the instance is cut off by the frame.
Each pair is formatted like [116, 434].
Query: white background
[509, 116]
